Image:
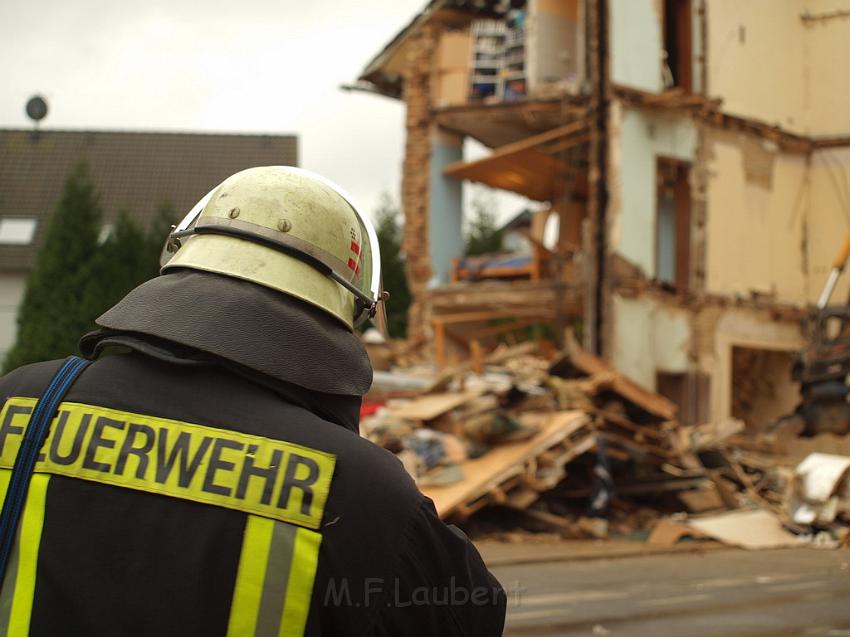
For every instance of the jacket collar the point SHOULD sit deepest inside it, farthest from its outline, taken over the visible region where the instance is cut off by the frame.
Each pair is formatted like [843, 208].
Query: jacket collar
[276, 340]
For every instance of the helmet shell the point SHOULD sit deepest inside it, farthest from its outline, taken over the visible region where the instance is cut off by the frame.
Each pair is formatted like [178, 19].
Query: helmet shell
[284, 201]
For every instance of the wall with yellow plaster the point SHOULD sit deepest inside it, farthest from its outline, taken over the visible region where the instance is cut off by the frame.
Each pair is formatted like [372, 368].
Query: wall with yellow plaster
[742, 328]
[828, 219]
[774, 221]
[754, 231]
[768, 64]
[827, 79]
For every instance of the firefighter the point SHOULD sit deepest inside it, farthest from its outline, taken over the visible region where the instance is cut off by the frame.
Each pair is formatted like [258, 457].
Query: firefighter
[205, 476]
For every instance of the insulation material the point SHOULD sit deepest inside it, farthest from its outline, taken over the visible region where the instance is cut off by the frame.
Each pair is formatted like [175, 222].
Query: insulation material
[821, 489]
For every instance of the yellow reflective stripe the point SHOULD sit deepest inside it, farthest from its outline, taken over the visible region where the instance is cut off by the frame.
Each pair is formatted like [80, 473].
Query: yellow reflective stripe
[299, 590]
[266, 477]
[274, 582]
[251, 577]
[8, 585]
[29, 540]
[5, 476]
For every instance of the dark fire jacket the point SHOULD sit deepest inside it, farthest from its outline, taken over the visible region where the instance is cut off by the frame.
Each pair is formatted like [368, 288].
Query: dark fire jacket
[179, 497]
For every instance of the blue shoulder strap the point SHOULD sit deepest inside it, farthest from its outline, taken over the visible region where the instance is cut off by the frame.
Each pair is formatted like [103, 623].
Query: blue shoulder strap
[34, 437]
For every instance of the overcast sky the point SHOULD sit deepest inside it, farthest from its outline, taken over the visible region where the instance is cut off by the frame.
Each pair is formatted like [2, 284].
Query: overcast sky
[258, 66]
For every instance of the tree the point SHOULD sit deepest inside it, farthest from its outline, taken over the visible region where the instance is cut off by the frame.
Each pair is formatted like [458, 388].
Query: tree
[163, 221]
[127, 258]
[482, 235]
[50, 319]
[122, 262]
[76, 279]
[388, 230]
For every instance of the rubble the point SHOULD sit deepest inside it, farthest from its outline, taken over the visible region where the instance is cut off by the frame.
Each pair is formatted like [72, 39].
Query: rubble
[539, 441]
[820, 490]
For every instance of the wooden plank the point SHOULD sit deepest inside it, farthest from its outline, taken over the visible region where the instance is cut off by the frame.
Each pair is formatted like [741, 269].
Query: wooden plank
[504, 297]
[667, 532]
[628, 424]
[494, 273]
[500, 329]
[507, 150]
[494, 358]
[522, 498]
[440, 342]
[489, 315]
[483, 475]
[555, 521]
[749, 487]
[561, 146]
[475, 354]
[639, 448]
[523, 167]
[702, 500]
[433, 405]
[628, 389]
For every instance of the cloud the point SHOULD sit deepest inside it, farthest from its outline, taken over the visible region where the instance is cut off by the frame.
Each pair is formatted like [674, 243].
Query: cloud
[266, 66]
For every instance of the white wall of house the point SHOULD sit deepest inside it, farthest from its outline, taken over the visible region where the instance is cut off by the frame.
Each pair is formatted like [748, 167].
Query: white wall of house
[11, 294]
[650, 337]
[636, 41]
[643, 138]
[637, 44]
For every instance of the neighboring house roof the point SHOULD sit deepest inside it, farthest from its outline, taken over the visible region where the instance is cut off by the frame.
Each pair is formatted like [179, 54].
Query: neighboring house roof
[136, 172]
[522, 219]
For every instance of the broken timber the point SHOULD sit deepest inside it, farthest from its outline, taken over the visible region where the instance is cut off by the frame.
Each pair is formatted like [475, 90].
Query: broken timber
[592, 366]
[516, 471]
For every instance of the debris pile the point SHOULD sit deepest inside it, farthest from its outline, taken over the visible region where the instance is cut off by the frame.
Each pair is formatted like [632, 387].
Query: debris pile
[560, 442]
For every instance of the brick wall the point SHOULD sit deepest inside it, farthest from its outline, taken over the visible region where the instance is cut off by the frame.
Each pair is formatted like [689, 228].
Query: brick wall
[415, 180]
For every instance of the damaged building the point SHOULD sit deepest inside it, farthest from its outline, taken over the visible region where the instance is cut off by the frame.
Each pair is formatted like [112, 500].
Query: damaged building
[691, 158]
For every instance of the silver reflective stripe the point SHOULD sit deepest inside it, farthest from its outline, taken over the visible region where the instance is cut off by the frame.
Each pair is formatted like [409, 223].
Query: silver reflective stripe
[274, 582]
[273, 598]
